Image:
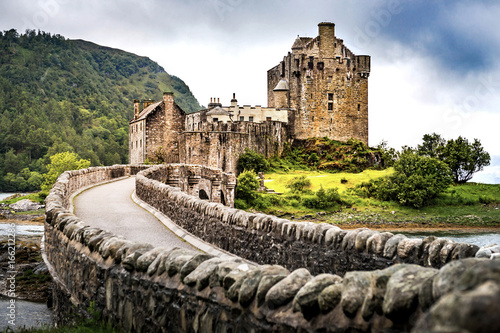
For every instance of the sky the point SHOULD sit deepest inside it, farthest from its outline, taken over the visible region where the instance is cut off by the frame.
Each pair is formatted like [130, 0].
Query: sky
[434, 64]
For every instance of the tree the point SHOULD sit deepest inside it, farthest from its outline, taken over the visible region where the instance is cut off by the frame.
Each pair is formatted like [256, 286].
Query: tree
[389, 155]
[62, 162]
[432, 145]
[251, 160]
[248, 184]
[464, 158]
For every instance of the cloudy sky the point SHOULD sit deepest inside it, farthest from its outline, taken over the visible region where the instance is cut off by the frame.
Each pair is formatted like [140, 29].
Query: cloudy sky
[435, 64]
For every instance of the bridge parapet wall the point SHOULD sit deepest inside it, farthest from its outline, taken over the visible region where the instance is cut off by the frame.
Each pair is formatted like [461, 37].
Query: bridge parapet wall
[145, 289]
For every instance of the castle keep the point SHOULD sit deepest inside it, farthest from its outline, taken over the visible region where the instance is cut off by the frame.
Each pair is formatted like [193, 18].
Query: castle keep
[320, 89]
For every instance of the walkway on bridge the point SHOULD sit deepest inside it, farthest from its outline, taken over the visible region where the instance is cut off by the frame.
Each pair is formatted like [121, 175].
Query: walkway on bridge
[110, 207]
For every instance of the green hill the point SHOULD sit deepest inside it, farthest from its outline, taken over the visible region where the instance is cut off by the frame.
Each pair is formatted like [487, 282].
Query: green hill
[58, 94]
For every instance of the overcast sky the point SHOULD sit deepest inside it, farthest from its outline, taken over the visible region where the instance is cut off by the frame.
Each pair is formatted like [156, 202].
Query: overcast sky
[435, 64]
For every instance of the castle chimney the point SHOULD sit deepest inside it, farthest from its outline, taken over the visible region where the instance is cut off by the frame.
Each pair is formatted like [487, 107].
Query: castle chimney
[327, 39]
[146, 103]
[168, 97]
[234, 102]
[137, 109]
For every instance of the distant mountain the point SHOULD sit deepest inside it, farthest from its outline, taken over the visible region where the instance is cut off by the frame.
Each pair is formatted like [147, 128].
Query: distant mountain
[58, 94]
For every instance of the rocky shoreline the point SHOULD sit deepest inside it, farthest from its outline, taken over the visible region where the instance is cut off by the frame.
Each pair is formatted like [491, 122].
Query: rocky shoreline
[32, 279]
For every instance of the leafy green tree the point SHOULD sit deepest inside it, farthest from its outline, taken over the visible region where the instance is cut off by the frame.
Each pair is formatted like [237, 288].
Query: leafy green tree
[62, 162]
[432, 145]
[464, 158]
[251, 160]
[248, 184]
[389, 154]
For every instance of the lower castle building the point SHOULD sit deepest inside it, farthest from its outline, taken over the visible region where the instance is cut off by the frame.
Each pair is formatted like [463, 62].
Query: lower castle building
[320, 89]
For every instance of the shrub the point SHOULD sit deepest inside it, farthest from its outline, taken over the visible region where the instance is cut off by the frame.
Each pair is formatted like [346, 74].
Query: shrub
[251, 160]
[299, 184]
[416, 181]
[247, 187]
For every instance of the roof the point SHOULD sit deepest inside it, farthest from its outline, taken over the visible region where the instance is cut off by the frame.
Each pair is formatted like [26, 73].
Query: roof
[144, 113]
[217, 111]
[282, 85]
[300, 42]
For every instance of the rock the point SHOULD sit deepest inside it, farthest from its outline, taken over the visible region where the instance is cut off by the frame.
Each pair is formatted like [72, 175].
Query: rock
[266, 283]
[193, 263]
[251, 282]
[445, 281]
[401, 297]
[223, 269]
[376, 243]
[158, 265]
[391, 246]
[434, 258]
[285, 290]
[147, 258]
[409, 248]
[110, 246]
[235, 275]
[374, 297]
[26, 205]
[464, 311]
[306, 299]
[355, 287]
[361, 239]
[329, 298]
[201, 275]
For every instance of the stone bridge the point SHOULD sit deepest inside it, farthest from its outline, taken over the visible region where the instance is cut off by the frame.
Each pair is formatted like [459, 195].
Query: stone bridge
[293, 276]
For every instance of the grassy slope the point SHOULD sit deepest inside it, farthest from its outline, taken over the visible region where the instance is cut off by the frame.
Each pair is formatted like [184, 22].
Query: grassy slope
[469, 204]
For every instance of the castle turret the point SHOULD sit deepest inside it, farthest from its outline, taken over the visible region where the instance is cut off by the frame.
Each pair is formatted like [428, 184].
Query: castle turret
[327, 39]
[281, 95]
[234, 102]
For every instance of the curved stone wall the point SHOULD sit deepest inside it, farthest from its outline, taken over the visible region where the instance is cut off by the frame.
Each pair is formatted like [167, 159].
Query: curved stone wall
[145, 289]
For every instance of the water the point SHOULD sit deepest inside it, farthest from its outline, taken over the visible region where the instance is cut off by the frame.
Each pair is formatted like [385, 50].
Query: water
[5, 195]
[479, 239]
[27, 314]
[22, 229]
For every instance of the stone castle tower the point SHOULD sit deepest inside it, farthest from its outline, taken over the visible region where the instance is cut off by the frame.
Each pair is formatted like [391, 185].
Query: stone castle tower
[326, 87]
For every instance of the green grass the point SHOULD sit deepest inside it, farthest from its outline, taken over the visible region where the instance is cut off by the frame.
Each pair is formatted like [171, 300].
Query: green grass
[469, 204]
[278, 181]
[36, 197]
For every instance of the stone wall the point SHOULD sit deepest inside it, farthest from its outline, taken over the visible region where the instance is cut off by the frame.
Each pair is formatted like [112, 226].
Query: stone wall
[219, 145]
[143, 289]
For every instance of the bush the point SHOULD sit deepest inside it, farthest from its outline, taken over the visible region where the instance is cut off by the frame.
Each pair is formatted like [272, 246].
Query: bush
[251, 160]
[323, 199]
[299, 184]
[247, 187]
[416, 181]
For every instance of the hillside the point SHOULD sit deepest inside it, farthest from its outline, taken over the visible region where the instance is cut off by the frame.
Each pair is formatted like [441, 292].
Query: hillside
[58, 94]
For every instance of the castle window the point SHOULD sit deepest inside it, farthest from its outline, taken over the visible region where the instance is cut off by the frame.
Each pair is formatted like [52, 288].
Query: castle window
[309, 79]
[321, 65]
[359, 107]
[268, 118]
[330, 106]
[330, 78]
[242, 118]
[215, 119]
[330, 97]
[311, 63]
[140, 143]
[250, 118]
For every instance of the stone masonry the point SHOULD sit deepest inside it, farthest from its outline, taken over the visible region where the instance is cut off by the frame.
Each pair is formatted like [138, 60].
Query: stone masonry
[327, 88]
[139, 288]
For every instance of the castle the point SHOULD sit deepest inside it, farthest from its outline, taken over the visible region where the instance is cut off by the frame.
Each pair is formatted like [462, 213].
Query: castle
[320, 89]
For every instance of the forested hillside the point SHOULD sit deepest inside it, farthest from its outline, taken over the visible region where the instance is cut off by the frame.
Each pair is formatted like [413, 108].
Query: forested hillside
[61, 95]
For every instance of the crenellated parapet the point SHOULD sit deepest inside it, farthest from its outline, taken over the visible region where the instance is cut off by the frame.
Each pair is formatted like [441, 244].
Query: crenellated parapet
[383, 282]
